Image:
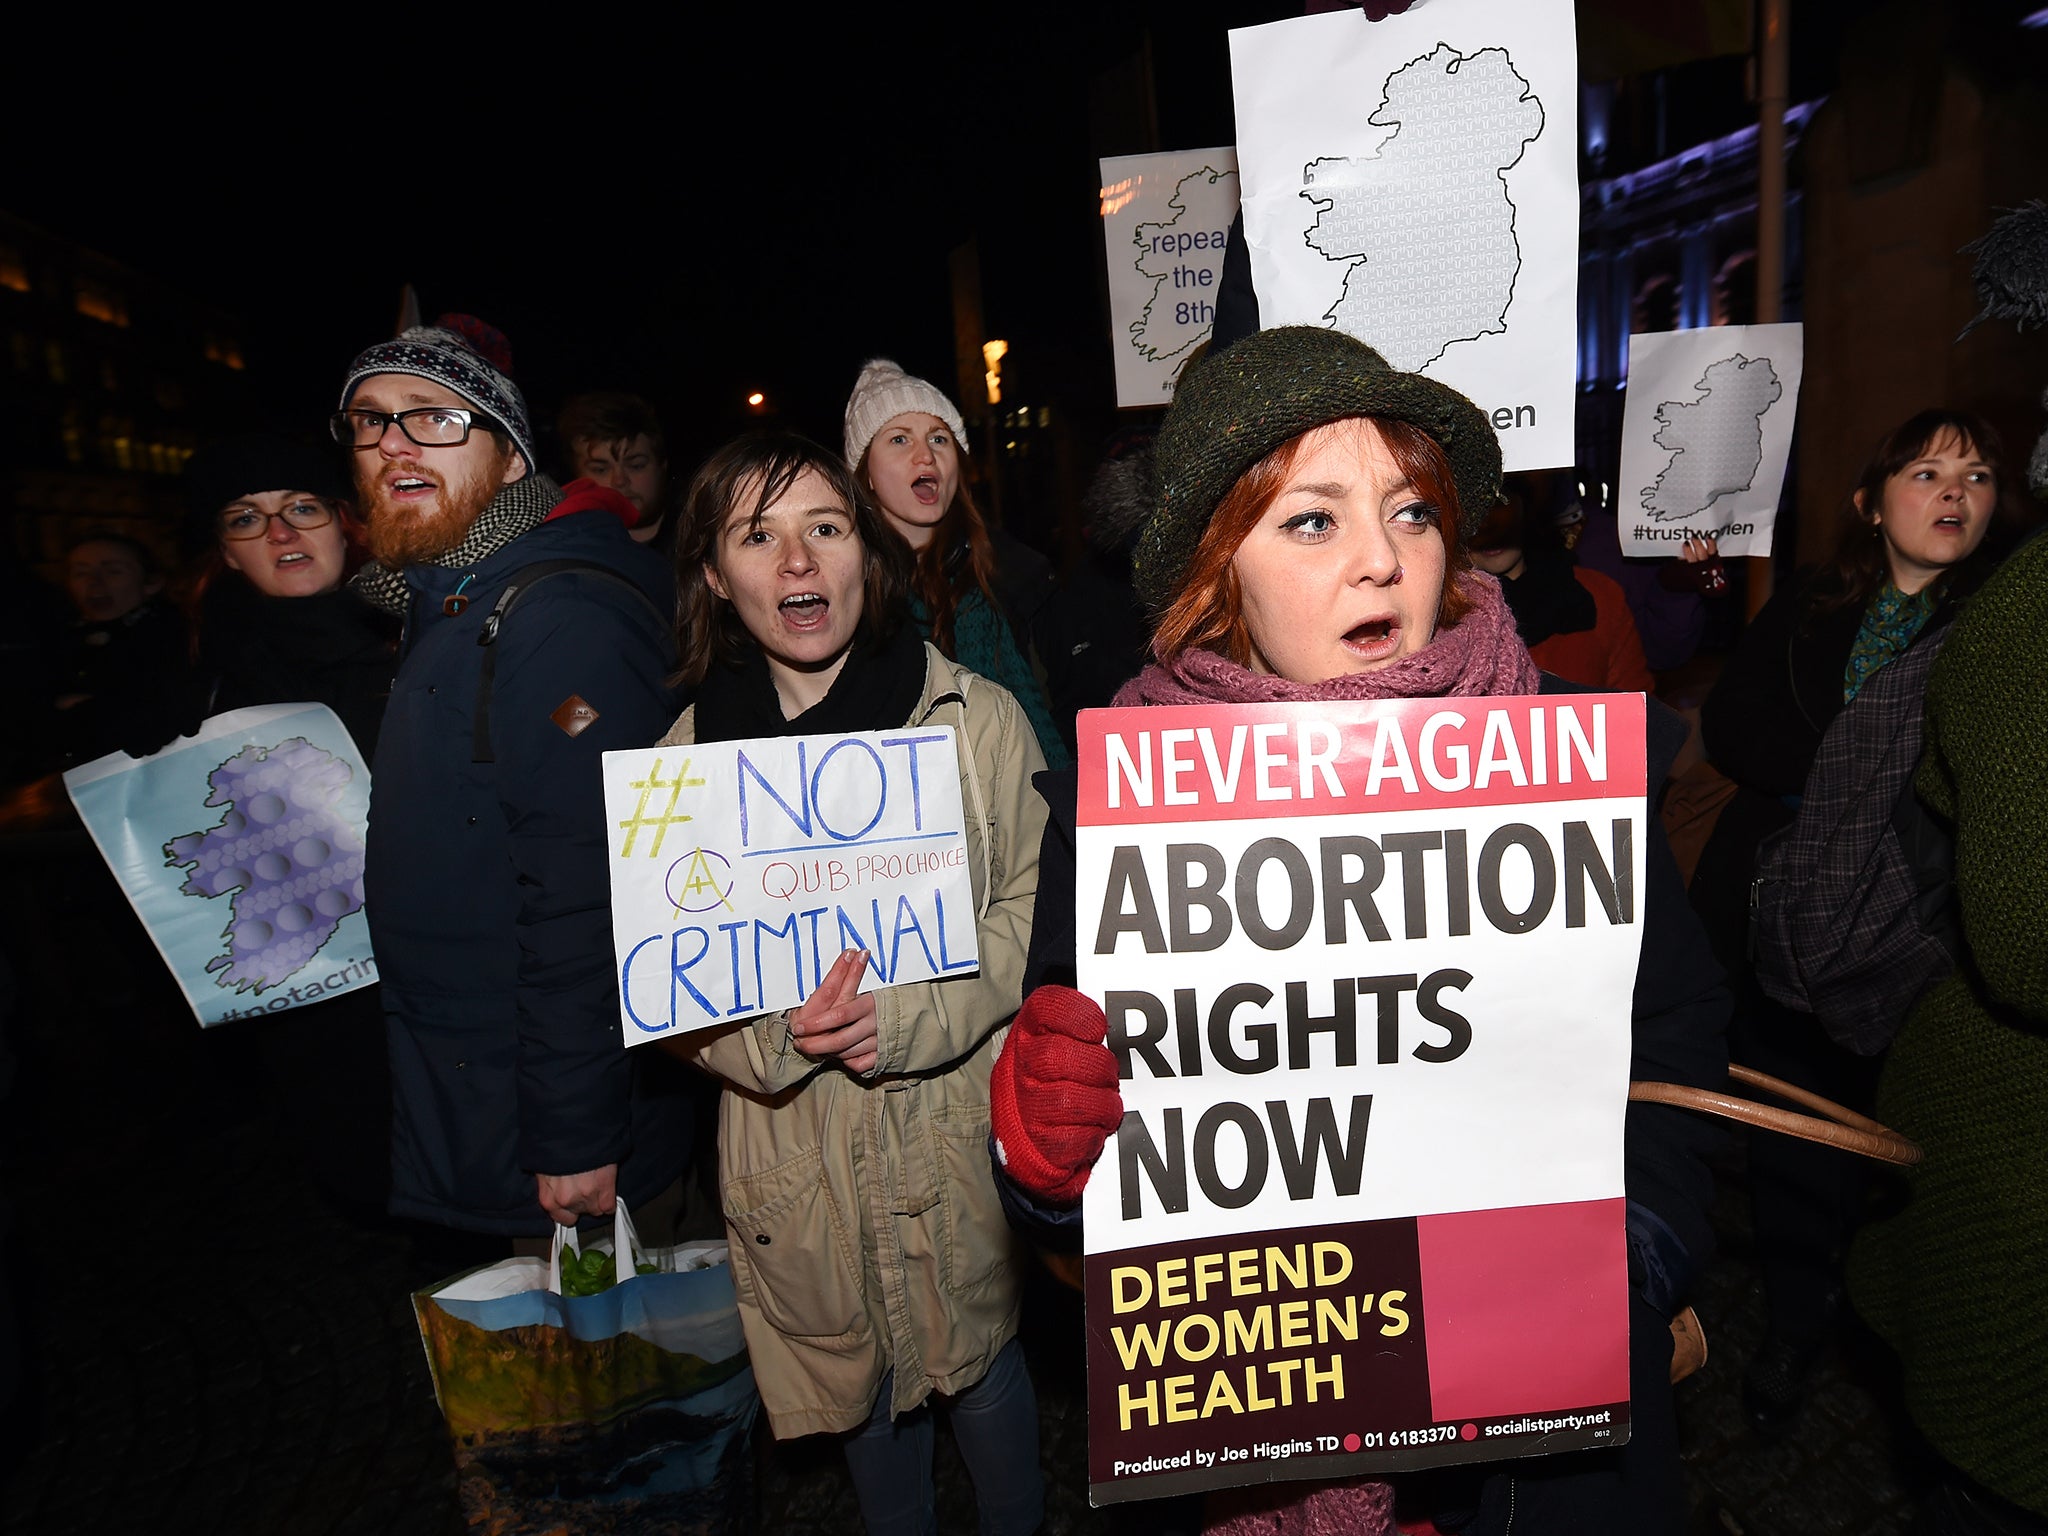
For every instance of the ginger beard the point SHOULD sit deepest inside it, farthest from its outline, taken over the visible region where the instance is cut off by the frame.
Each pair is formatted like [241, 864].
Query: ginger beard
[416, 530]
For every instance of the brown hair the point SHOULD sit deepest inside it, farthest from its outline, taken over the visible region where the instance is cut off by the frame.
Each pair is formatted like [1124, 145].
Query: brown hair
[762, 467]
[1207, 611]
[1856, 568]
[956, 560]
[609, 417]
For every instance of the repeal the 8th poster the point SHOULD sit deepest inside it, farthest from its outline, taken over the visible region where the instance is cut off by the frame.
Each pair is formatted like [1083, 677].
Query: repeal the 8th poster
[1368, 971]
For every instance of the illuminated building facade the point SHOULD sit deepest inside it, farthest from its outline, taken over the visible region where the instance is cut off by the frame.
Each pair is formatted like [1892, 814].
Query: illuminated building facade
[1668, 246]
[108, 382]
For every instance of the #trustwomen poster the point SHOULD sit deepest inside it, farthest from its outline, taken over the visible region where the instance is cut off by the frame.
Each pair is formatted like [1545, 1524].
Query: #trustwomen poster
[241, 849]
[1706, 431]
[1414, 182]
[1368, 972]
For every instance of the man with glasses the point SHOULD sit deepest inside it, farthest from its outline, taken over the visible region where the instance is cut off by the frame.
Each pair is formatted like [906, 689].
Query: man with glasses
[531, 647]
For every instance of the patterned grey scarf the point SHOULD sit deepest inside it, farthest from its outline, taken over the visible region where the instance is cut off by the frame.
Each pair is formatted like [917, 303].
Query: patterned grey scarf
[518, 509]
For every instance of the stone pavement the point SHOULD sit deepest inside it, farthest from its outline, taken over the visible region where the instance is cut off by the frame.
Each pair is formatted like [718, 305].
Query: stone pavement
[222, 1352]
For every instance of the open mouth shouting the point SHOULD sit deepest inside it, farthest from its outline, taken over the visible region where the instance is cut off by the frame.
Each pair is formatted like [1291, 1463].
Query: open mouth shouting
[408, 486]
[1374, 640]
[805, 612]
[926, 489]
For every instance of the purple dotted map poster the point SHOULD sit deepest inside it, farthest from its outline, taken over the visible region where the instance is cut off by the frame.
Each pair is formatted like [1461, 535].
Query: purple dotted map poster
[241, 849]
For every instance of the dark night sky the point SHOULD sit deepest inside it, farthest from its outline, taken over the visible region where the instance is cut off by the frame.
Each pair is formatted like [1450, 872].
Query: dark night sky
[686, 210]
[695, 217]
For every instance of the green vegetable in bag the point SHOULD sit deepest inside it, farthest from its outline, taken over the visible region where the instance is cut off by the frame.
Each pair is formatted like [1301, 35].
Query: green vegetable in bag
[591, 1271]
[586, 1273]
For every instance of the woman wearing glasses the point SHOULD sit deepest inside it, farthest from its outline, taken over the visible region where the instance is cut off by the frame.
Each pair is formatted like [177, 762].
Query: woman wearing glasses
[275, 624]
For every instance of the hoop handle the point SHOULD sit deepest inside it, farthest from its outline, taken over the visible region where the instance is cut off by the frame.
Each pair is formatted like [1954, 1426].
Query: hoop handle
[1831, 1125]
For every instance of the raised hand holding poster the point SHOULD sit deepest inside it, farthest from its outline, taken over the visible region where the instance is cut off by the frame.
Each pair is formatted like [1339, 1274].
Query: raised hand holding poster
[241, 849]
[1165, 222]
[1368, 971]
[1414, 182]
[741, 870]
[1706, 431]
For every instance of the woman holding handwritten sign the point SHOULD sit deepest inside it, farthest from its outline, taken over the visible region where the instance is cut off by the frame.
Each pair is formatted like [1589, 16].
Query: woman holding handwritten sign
[869, 1248]
[1308, 543]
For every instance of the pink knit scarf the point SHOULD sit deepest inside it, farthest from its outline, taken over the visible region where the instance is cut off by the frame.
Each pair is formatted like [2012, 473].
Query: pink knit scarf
[1479, 655]
[1357, 1506]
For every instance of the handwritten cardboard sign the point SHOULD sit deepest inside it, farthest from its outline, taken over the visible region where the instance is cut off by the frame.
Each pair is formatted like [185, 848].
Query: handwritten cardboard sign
[1368, 970]
[741, 870]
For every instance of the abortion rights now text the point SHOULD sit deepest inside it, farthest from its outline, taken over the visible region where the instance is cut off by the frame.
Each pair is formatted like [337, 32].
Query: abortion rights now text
[1367, 970]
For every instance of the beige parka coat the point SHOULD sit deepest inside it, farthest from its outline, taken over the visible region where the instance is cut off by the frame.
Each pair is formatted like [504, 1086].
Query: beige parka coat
[866, 1230]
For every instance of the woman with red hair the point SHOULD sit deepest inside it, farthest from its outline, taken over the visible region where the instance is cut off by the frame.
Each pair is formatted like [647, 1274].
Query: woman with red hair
[1308, 542]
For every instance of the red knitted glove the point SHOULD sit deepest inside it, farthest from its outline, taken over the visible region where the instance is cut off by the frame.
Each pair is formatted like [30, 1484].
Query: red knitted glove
[1053, 1098]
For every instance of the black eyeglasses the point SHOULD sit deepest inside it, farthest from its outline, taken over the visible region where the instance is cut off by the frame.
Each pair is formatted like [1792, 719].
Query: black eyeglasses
[431, 426]
[253, 522]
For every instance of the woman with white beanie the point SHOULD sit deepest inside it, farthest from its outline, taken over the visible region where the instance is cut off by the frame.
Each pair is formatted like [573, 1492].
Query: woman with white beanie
[905, 440]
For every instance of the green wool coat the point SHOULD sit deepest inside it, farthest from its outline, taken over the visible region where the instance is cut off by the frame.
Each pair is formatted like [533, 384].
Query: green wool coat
[1957, 1283]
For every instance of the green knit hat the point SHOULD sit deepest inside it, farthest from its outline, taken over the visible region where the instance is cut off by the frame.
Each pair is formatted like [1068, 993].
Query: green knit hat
[1238, 405]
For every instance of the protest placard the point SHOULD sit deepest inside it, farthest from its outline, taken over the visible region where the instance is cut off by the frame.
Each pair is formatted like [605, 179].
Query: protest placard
[241, 849]
[741, 870]
[1165, 222]
[1706, 431]
[1368, 971]
[1414, 182]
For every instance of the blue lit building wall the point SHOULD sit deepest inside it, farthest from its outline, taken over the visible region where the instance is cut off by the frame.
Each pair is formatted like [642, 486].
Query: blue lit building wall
[1671, 246]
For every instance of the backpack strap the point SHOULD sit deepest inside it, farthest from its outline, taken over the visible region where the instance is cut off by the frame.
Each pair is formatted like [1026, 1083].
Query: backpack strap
[524, 580]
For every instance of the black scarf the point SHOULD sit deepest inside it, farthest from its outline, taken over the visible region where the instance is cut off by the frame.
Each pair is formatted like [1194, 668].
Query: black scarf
[876, 690]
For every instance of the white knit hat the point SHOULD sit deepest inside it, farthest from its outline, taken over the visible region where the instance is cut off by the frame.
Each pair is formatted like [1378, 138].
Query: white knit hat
[881, 394]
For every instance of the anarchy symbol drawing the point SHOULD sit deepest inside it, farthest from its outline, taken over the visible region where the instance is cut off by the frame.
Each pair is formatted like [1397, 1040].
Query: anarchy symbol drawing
[695, 885]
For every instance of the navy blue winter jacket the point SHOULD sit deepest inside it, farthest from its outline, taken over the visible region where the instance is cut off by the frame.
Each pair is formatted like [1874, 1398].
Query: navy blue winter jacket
[487, 890]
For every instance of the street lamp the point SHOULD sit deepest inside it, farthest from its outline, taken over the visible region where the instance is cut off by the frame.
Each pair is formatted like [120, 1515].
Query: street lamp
[992, 355]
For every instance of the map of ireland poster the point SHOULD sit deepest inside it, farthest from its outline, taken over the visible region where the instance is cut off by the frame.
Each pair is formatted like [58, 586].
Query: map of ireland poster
[241, 849]
[1165, 223]
[1705, 435]
[1414, 182]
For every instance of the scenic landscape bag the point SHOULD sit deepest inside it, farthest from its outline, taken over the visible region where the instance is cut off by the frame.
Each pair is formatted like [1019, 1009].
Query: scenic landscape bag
[626, 1411]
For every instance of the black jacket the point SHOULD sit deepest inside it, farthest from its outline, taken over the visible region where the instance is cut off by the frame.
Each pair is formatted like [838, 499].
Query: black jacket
[133, 677]
[331, 649]
[1761, 726]
[1091, 637]
[1681, 1019]
[1779, 693]
[487, 888]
